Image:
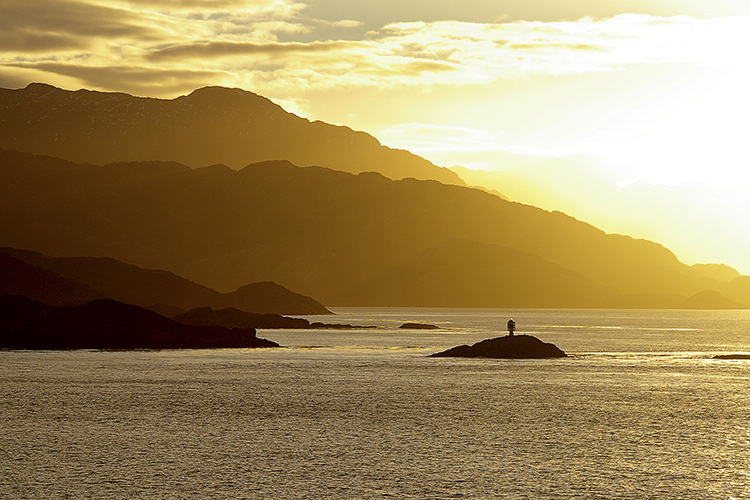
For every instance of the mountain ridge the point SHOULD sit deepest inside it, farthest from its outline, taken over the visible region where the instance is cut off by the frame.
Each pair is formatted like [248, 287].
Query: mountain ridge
[208, 126]
[316, 230]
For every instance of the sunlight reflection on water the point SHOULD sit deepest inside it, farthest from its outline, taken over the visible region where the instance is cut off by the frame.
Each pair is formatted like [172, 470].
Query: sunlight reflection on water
[366, 414]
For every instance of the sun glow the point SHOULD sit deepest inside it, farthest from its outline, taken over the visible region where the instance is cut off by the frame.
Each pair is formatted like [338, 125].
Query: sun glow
[675, 120]
[635, 92]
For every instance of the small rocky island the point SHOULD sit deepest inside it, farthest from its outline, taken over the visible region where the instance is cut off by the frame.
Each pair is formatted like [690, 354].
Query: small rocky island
[510, 347]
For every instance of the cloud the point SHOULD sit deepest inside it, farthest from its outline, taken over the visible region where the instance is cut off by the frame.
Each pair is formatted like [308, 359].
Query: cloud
[276, 9]
[431, 138]
[406, 69]
[556, 48]
[204, 50]
[30, 42]
[346, 23]
[32, 26]
[534, 46]
[205, 4]
[421, 51]
[251, 43]
[50, 26]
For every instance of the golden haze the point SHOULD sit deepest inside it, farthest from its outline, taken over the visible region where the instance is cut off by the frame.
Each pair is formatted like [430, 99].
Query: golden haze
[647, 91]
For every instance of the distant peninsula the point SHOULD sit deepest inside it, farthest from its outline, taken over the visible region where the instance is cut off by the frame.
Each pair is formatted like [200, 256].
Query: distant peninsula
[509, 347]
[108, 324]
[732, 356]
[234, 318]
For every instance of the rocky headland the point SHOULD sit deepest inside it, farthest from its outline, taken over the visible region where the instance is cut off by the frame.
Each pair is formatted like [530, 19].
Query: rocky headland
[234, 318]
[510, 347]
[108, 324]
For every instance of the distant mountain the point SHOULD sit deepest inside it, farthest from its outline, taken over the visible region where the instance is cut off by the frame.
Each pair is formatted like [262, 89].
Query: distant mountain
[75, 280]
[479, 275]
[717, 272]
[267, 297]
[344, 239]
[107, 324]
[212, 125]
[700, 222]
[711, 299]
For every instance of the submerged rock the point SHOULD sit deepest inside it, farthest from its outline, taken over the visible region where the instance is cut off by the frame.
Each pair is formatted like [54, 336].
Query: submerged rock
[511, 347]
[732, 356]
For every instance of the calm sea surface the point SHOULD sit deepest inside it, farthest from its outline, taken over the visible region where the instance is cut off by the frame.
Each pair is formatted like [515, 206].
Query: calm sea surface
[639, 410]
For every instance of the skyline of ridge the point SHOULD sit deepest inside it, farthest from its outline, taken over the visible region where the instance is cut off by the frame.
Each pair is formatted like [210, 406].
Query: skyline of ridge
[639, 99]
[344, 239]
[683, 224]
[651, 88]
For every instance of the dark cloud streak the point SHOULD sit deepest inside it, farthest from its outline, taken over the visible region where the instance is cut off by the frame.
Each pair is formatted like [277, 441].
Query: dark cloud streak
[224, 49]
[193, 4]
[422, 51]
[19, 40]
[46, 25]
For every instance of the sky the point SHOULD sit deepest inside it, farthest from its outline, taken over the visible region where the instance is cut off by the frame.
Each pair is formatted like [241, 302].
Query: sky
[647, 90]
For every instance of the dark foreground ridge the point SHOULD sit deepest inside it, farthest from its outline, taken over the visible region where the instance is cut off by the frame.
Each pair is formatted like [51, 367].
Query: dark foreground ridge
[108, 324]
[510, 346]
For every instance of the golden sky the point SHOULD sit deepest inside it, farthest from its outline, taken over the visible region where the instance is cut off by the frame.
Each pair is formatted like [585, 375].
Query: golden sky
[650, 90]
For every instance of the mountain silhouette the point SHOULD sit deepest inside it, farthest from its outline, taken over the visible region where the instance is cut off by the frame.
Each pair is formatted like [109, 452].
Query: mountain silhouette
[342, 238]
[75, 280]
[20, 278]
[212, 125]
[108, 324]
[711, 299]
[699, 221]
[479, 275]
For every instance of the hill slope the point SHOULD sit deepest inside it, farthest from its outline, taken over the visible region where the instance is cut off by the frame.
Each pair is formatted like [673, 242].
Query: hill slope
[211, 125]
[20, 278]
[75, 280]
[463, 273]
[322, 232]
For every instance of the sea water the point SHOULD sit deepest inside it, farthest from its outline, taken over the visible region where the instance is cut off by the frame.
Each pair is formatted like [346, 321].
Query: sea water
[640, 409]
